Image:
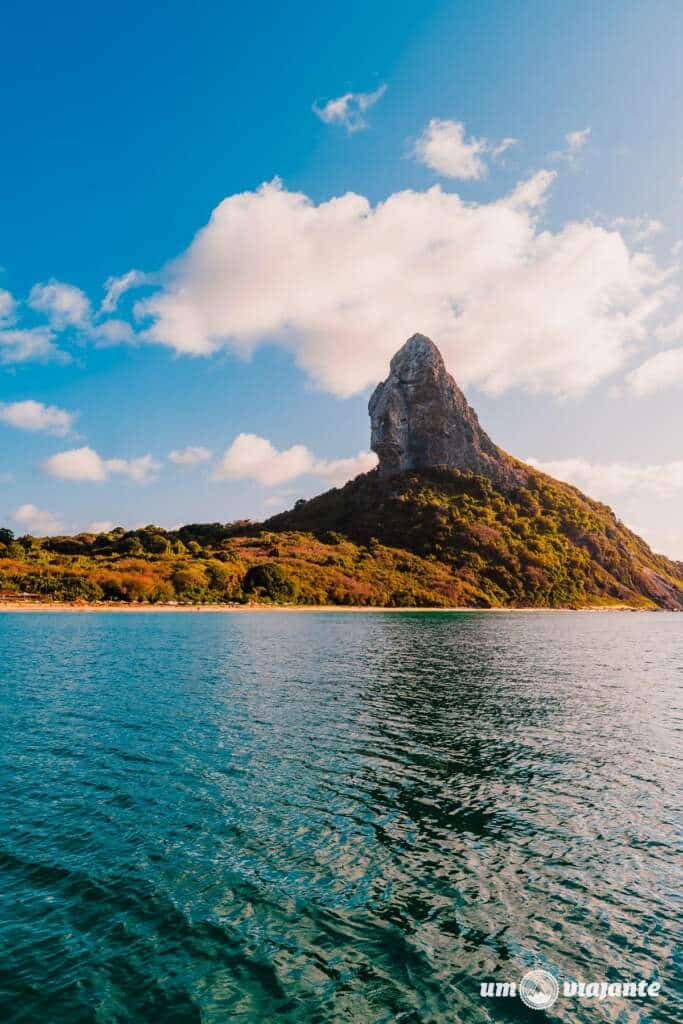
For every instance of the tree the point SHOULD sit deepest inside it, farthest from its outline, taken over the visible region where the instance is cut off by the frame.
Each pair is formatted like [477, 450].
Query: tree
[270, 580]
[131, 545]
[189, 582]
[156, 543]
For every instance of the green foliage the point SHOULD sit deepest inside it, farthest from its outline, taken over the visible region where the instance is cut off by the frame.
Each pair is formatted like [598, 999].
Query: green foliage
[12, 550]
[439, 539]
[270, 580]
[189, 582]
[63, 587]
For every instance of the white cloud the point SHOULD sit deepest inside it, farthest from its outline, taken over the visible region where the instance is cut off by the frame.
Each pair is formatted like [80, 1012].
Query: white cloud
[338, 471]
[77, 464]
[115, 287]
[7, 308]
[638, 229]
[100, 526]
[63, 304]
[255, 458]
[609, 480]
[34, 345]
[142, 469]
[503, 146]
[85, 464]
[671, 332]
[659, 372]
[37, 521]
[190, 456]
[444, 148]
[31, 415]
[577, 140]
[280, 501]
[67, 306]
[111, 332]
[342, 284]
[531, 193]
[349, 109]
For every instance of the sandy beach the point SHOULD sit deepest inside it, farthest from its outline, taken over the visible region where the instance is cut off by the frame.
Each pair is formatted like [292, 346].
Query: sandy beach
[62, 606]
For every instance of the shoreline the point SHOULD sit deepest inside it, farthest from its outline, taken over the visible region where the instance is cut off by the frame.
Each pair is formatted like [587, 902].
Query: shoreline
[156, 609]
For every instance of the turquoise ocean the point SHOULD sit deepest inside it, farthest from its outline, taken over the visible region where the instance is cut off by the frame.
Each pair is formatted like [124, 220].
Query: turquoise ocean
[337, 817]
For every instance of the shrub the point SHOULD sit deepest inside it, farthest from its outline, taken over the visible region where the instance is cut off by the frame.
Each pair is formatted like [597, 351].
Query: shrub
[155, 543]
[61, 587]
[270, 580]
[189, 582]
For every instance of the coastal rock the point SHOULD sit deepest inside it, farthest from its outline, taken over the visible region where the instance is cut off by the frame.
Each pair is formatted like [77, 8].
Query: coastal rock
[420, 420]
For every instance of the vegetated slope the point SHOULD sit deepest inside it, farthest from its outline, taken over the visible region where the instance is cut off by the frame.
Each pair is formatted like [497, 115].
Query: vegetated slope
[447, 519]
[215, 563]
[435, 538]
[545, 544]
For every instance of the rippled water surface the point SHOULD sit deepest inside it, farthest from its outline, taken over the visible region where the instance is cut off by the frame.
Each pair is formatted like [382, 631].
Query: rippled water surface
[336, 817]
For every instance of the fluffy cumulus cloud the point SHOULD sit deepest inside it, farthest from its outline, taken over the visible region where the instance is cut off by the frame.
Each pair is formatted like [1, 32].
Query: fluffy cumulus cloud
[671, 332]
[31, 415]
[338, 471]
[342, 284]
[24, 345]
[37, 521]
[111, 332]
[251, 457]
[63, 304]
[658, 373]
[66, 308]
[614, 479]
[86, 465]
[638, 229]
[193, 455]
[7, 307]
[443, 148]
[31, 345]
[349, 110]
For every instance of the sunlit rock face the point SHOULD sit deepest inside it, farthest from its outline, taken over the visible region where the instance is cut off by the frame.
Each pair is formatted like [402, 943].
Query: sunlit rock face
[420, 420]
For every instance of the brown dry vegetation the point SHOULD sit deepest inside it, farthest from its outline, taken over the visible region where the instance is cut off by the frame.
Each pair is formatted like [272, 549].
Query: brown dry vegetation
[440, 539]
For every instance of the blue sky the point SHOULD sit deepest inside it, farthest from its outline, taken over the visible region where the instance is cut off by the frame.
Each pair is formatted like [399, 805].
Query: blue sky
[557, 308]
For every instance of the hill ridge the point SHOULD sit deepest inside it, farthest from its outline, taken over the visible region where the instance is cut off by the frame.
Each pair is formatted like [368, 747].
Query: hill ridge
[447, 519]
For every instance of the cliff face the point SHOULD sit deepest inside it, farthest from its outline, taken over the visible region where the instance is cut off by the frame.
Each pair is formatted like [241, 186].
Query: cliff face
[447, 519]
[506, 533]
[420, 420]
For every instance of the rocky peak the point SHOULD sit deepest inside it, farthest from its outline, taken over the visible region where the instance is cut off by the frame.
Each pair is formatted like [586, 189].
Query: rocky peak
[420, 420]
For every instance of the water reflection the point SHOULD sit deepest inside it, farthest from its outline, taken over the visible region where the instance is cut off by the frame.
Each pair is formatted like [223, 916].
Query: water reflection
[335, 817]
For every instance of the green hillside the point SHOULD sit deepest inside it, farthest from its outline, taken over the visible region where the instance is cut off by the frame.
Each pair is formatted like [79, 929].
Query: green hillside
[545, 544]
[438, 538]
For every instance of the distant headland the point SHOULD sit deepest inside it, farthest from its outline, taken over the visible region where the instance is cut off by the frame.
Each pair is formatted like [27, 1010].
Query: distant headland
[446, 520]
